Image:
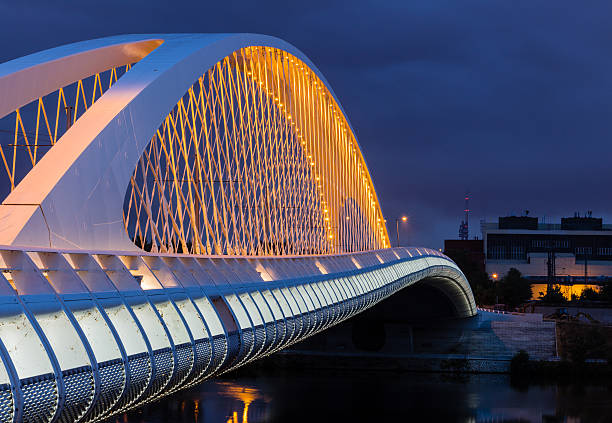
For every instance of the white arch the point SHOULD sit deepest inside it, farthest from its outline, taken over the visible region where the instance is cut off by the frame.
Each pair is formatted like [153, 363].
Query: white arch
[73, 197]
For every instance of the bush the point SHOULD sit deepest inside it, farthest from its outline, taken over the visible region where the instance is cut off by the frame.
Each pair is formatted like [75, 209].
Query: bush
[553, 296]
[589, 294]
[581, 342]
[606, 292]
[519, 365]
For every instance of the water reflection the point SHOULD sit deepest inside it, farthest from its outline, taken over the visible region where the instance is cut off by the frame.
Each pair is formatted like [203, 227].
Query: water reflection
[247, 396]
[214, 401]
[377, 396]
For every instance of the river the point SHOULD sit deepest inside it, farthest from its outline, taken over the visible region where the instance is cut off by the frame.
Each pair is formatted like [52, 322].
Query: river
[350, 396]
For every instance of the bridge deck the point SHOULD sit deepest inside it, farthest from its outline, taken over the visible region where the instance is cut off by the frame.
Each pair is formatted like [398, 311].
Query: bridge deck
[87, 334]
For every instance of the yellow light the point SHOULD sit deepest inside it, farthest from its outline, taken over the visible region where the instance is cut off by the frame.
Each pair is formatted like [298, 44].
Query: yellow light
[331, 236]
[404, 218]
[348, 218]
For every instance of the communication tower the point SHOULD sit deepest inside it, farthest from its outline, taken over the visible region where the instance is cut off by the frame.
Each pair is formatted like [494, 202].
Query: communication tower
[464, 229]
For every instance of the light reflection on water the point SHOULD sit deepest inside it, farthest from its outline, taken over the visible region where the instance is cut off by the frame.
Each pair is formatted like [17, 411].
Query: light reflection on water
[377, 396]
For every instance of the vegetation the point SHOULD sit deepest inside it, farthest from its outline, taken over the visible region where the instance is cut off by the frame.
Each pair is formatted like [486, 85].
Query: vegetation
[589, 294]
[519, 365]
[553, 296]
[606, 292]
[511, 290]
[482, 287]
[578, 342]
[514, 289]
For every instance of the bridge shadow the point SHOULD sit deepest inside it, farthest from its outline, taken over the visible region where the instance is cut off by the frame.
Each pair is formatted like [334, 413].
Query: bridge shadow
[416, 329]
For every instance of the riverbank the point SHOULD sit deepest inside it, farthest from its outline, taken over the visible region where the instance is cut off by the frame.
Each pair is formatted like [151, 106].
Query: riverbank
[484, 344]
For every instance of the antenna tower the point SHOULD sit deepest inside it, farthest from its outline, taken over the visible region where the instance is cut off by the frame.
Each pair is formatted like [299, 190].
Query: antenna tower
[464, 228]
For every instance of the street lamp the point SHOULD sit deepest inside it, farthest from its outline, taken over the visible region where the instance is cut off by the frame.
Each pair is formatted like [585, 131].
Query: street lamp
[404, 219]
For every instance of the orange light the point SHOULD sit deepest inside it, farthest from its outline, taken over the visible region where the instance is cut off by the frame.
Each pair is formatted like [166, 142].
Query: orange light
[494, 276]
[404, 218]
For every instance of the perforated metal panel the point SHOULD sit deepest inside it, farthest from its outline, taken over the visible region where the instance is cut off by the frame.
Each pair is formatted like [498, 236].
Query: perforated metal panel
[112, 382]
[270, 336]
[233, 349]
[79, 390]
[139, 366]
[260, 339]
[203, 357]
[246, 346]
[184, 364]
[281, 333]
[39, 398]
[220, 352]
[164, 366]
[291, 328]
[6, 403]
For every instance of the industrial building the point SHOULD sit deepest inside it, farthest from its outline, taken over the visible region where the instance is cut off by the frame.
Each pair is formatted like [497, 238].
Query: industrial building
[576, 250]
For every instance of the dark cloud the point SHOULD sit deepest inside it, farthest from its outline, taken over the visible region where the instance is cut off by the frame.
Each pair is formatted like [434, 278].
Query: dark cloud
[510, 100]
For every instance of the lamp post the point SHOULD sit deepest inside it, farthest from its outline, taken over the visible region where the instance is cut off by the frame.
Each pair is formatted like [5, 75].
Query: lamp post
[404, 218]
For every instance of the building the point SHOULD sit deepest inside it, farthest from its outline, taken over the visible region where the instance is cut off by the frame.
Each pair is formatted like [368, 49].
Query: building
[577, 249]
[469, 249]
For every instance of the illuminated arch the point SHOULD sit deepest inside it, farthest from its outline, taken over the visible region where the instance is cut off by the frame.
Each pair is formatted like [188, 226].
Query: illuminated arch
[74, 196]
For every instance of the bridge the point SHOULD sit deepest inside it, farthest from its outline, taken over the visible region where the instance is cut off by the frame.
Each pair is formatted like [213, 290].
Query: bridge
[176, 206]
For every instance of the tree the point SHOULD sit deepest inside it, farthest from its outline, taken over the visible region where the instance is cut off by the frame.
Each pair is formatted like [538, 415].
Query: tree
[482, 287]
[589, 294]
[514, 289]
[553, 296]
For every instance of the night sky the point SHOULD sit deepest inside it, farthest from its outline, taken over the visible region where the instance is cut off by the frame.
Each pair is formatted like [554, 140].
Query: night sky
[510, 100]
